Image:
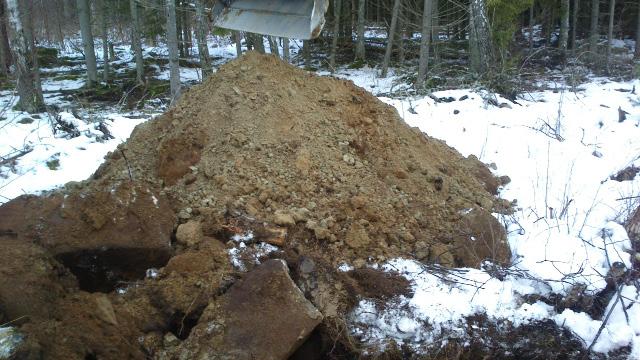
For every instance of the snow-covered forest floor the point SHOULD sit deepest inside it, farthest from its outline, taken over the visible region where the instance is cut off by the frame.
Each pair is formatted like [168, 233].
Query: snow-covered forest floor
[571, 152]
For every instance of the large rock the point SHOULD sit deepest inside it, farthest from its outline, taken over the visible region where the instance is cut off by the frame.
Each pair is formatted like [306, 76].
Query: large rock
[263, 316]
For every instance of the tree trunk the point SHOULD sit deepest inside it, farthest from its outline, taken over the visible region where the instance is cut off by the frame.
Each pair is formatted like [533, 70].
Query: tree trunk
[286, 52]
[306, 53]
[360, 54]
[27, 24]
[186, 29]
[104, 34]
[436, 28]
[337, 6]
[172, 44]
[637, 52]
[594, 34]
[237, 38]
[201, 37]
[136, 45]
[273, 46]
[84, 15]
[179, 30]
[480, 37]
[574, 25]
[5, 49]
[612, 10]
[257, 41]
[400, 35]
[531, 21]
[392, 30]
[425, 43]
[564, 26]
[29, 99]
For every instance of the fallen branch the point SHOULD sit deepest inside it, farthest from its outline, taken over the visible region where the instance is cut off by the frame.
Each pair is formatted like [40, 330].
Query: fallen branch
[21, 153]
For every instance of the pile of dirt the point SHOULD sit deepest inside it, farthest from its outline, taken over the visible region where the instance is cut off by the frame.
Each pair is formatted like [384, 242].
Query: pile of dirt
[326, 159]
[262, 156]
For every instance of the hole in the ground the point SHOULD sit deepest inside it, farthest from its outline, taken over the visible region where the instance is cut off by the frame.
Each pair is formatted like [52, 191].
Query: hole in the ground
[181, 324]
[319, 346]
[103, 270]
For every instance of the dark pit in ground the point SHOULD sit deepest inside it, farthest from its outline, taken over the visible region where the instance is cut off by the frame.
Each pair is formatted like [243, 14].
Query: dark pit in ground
[103, 271]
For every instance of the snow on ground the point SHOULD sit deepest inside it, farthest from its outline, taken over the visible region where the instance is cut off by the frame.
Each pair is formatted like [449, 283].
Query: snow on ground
[53, 159]
[560, 149]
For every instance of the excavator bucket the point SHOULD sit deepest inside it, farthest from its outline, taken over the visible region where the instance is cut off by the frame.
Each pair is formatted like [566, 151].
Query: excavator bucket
[298, 19]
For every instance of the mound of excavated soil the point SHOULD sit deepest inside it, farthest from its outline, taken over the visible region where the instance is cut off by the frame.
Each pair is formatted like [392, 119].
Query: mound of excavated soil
[128, 263]
[320, 156]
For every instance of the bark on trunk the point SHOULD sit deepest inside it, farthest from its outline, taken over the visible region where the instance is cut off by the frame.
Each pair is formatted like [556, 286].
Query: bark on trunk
[337, 6]
[84, 16]
[237, 38]
[135, 41]
[360, 53]
[172, 43]
[306, 53]
[594, 34]
[531, 20]
[574, 25]
[564, 26]
[286, 52]
[5, 50]
[425, 43]
[104, 34]
[392, 30]
[612, 8]
[29, 98]
[201, 37]
[480, 37]
[273, 46]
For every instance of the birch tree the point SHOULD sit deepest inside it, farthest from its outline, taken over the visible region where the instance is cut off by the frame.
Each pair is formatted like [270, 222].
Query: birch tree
[172, 44]
[84, 16]
[392, 30]
[425, 42]
[360, 53]
[480, 37]
[29, 97]
[201, 38]
[136, 45]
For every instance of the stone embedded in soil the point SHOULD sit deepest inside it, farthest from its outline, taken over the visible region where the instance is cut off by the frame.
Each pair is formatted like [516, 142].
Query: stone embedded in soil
[189, 233]
[264, 316]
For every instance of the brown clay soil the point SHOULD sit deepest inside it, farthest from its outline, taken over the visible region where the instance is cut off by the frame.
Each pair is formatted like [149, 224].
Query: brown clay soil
[313, 165]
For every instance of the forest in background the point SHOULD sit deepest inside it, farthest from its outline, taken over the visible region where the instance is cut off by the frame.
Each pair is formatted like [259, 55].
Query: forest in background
[439, 43]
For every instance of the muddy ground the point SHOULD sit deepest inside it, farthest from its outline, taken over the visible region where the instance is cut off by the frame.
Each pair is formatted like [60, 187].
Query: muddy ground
[164, 253]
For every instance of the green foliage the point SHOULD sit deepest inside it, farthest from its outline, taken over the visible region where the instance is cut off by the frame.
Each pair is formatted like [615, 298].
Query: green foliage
[221, 32]
[54, 163]
[47, 57]
[503, 15]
